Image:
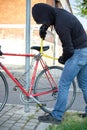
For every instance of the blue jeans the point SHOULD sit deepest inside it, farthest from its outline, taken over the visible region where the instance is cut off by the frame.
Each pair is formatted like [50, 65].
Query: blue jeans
[75, 66]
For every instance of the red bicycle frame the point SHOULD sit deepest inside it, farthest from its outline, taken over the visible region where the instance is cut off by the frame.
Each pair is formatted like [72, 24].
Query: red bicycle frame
[28, 93]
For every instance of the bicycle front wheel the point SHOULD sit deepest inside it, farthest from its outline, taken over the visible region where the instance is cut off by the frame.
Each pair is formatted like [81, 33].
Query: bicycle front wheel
[3, 91]
[42, 84]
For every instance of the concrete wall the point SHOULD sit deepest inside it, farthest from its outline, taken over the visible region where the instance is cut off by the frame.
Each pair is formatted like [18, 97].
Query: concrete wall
[12, 11]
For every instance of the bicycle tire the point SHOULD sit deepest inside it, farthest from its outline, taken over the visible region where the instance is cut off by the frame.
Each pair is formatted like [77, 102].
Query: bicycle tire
[41, 84]
[4, 90]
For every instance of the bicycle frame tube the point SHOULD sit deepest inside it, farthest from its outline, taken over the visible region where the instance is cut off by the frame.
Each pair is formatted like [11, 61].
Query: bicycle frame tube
[48, 74]
[33, 77]
[13, 54]
[14, 79]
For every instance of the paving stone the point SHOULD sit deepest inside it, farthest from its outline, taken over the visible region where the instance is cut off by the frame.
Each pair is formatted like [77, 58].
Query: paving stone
[34, 120]
[16, 128]
[3, 128]
[29, 127]
[42, 126]
[19, 124]
[8, 125]
[1, 122]
[31, 123]
[10, 121]
[16, 119]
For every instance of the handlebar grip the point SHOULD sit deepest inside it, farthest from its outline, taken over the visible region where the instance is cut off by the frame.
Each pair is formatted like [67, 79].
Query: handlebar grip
[0, 51]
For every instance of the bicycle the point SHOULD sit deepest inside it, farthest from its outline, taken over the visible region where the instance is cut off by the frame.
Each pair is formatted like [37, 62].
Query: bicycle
[43, 88]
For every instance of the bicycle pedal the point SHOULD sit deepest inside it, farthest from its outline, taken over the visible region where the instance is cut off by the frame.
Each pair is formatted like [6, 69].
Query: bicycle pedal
[41, 105]
[44, 104]
[15, 88]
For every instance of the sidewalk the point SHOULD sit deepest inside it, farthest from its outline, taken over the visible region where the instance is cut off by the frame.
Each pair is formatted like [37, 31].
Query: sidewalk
[13, 117]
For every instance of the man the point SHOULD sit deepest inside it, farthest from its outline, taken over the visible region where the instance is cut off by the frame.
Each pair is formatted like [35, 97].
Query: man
[74, 43]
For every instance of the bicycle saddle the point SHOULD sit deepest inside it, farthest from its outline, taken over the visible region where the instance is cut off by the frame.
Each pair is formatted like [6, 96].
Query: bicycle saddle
[38, 48]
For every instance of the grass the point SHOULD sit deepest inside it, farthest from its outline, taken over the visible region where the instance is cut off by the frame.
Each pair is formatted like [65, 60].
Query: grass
[71, 122]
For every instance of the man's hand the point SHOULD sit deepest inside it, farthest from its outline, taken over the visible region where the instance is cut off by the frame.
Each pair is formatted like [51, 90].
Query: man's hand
[42, 31]
[61, 60]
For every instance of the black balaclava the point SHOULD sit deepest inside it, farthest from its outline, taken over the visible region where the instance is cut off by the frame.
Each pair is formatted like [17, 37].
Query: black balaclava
[43, 14]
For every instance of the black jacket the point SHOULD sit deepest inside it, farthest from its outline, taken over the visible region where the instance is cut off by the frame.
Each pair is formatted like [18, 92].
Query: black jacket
[67, 26]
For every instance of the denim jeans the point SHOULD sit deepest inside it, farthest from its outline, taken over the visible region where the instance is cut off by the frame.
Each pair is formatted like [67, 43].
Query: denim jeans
[76, 66]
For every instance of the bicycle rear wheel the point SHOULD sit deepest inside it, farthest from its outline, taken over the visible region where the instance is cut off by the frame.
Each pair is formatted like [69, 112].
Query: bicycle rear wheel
[42, 84]
[3, 91]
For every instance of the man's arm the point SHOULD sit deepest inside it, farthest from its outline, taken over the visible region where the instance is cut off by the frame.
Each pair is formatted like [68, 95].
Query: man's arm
[68, 49]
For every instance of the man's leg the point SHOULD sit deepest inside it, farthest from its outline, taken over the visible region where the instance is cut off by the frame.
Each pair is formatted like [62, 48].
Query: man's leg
[82, 82]
[76, 65]
[71, 69]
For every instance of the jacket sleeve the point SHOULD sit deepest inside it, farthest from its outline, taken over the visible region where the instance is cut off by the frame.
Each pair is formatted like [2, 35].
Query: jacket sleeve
[65, 37]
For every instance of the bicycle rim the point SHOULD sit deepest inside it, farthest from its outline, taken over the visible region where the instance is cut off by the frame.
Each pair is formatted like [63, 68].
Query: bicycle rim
[3, 91]
[42, 84]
